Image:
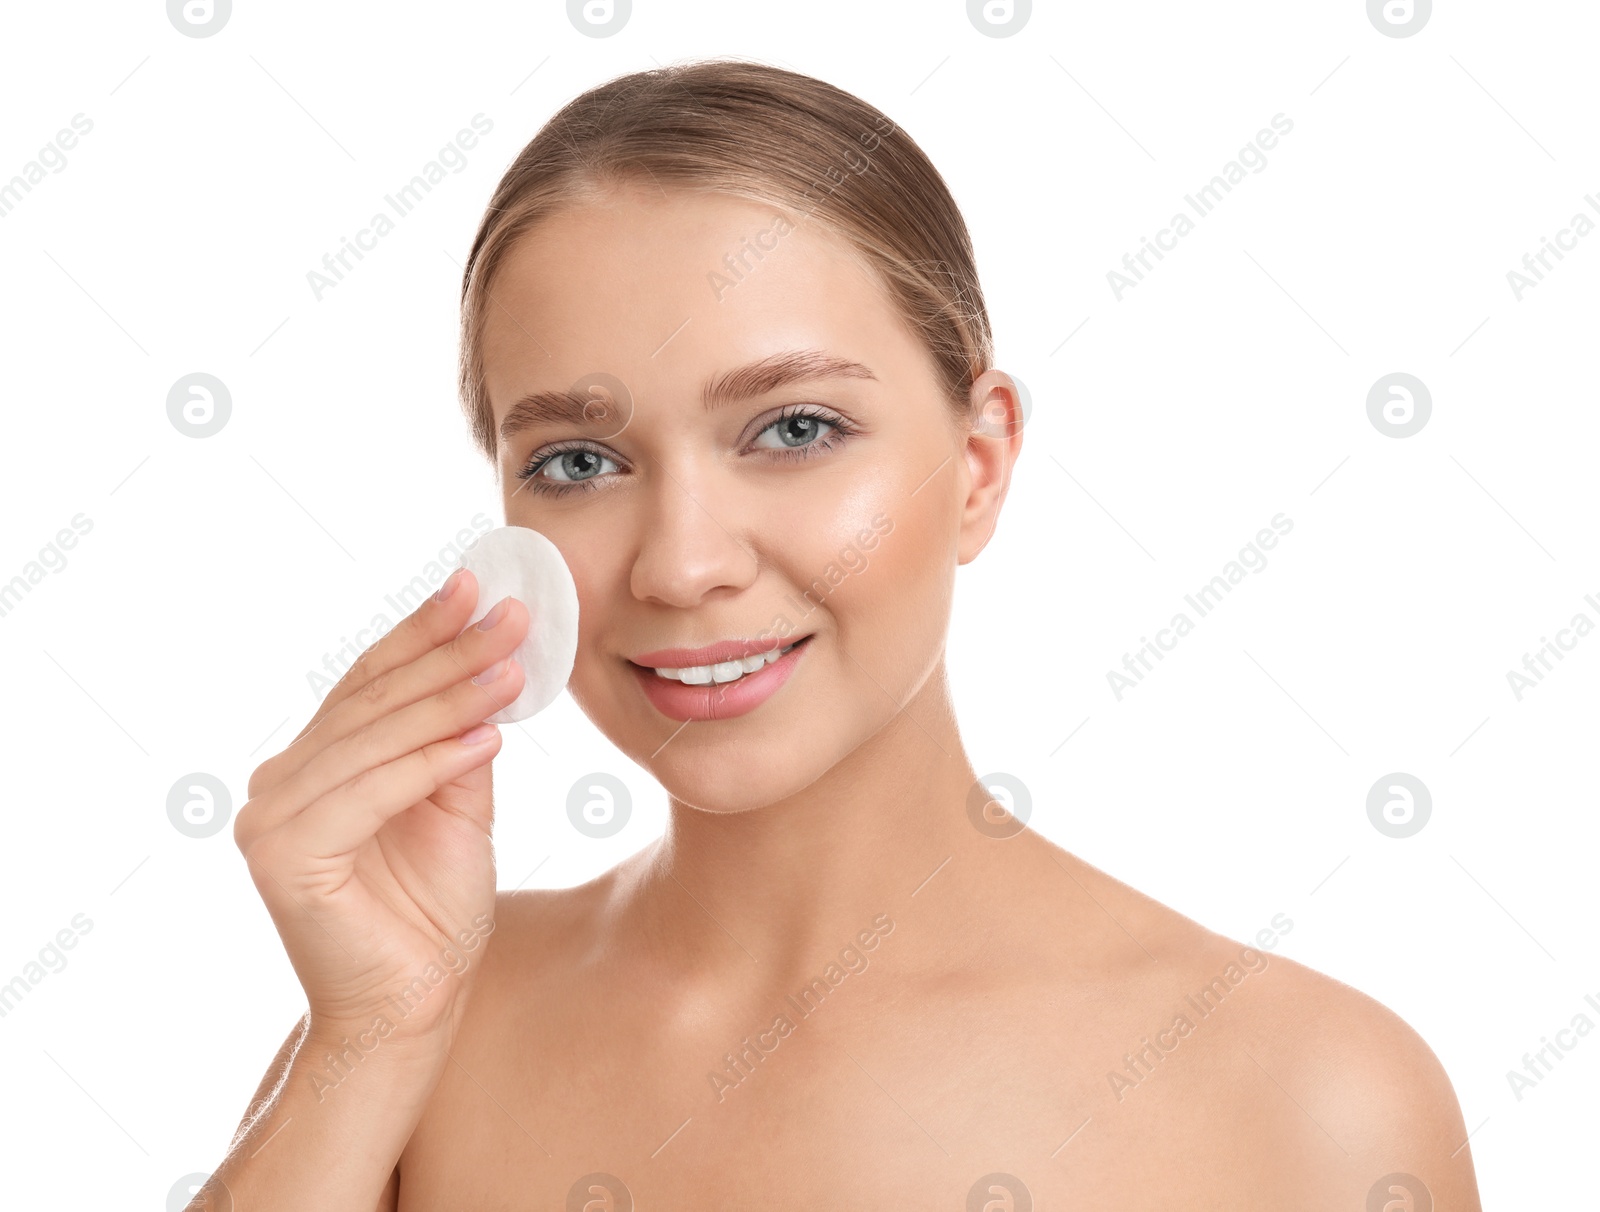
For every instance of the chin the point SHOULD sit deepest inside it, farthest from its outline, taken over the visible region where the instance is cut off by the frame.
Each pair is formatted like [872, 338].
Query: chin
[724, 787]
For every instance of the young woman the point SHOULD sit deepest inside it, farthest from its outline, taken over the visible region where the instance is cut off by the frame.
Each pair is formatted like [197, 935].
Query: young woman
[723, 338]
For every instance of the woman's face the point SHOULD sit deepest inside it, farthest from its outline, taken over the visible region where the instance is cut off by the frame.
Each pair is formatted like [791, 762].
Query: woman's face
[704, 496]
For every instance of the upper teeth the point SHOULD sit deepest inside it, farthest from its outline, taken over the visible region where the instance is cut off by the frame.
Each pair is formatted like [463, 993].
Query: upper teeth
[723, 671]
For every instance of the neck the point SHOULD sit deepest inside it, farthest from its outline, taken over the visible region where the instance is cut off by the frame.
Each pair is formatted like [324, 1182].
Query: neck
[782, 884]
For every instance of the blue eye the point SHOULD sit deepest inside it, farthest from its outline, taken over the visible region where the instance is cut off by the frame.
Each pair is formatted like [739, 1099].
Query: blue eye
[578, 463]
[800, 426]
[575, 464]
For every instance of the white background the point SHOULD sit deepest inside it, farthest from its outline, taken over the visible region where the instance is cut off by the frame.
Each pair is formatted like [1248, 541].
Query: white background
[1227, 387]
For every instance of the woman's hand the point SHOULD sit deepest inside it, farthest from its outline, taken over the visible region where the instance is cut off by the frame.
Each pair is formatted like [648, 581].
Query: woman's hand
[368, 837]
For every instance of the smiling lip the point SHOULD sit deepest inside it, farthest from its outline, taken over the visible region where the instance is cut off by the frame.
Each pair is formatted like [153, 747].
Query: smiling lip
[715, 654]
[718, 700]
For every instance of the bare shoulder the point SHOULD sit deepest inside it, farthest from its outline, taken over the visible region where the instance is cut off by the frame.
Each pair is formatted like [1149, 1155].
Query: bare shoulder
[1321, 1071]
[1366, 1083]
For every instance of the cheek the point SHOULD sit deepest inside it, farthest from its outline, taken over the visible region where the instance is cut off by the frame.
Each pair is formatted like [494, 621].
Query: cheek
[826, 542]
[589, 580]
[886, 560]
[596, 586]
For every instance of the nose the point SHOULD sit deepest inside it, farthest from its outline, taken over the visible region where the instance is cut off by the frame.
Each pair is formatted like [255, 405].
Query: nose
[689, 544]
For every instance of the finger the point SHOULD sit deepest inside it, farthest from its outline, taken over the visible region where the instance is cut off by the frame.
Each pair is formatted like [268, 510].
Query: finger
[350, 814]
[464, 655]
[421, 631]
[460, 655]
[440, 717]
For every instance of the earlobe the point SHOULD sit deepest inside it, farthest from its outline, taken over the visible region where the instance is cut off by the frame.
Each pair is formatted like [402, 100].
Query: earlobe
[991, 447]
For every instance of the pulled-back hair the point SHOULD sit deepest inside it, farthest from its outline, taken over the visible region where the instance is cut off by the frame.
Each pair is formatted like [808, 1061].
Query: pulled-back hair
[762, 133]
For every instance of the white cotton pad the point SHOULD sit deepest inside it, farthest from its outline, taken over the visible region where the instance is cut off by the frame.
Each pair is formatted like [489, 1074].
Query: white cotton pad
[513, 561]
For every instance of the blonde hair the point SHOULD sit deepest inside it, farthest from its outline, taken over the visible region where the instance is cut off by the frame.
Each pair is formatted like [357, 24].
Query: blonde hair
[758, 132]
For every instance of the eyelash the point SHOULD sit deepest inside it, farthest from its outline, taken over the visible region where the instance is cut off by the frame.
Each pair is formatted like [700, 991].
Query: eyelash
[841, 429]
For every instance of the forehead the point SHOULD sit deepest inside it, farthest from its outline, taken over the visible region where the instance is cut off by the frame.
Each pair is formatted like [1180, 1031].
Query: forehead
[663, 288]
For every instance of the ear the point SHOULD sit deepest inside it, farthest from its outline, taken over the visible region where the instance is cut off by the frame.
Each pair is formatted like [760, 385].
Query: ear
[993, 440]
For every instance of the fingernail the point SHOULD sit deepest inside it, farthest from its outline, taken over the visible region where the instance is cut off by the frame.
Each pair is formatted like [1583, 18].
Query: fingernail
[494, 671]
[449, 586]
[476, 736]
[494, 616]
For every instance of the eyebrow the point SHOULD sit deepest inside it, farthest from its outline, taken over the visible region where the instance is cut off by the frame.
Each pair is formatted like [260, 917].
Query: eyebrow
[745, 382]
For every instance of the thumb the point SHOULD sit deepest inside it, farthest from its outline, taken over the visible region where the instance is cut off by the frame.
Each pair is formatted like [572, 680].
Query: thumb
[471, 796]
